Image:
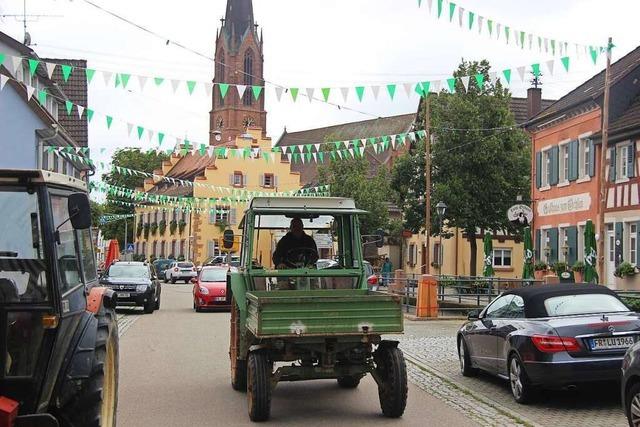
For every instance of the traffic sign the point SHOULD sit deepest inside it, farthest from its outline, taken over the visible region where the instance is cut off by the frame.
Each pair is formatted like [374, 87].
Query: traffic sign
[130, 247]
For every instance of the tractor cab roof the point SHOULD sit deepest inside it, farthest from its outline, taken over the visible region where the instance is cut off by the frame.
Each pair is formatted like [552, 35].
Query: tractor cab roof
[37, 176]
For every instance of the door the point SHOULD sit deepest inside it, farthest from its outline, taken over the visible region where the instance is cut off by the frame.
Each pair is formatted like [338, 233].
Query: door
[511, 319]
[483, 342]
[611, 254]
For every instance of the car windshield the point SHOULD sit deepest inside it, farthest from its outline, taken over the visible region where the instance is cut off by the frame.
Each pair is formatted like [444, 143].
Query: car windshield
[185, 265]
[22, 276]
[162, 264]
[214, 275]
[567, 305]
[128, 270]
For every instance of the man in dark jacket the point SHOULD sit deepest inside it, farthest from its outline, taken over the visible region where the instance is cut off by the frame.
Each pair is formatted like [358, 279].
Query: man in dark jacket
[295, 247]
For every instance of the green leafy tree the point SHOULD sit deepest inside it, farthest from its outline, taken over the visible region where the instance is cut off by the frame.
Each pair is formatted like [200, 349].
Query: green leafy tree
[97, 210]
[480, 160]
[132, 159]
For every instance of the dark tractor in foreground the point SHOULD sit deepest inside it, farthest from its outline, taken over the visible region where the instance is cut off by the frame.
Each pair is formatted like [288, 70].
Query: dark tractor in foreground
[58, 331]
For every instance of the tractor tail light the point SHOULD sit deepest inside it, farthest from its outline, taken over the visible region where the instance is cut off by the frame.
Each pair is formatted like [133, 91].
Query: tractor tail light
[372, 280]
[8, 411]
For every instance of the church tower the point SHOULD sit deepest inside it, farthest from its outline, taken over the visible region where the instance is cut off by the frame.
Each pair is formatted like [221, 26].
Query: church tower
[239, 61]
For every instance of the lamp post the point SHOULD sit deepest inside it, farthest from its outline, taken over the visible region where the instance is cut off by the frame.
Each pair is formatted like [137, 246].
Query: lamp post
[441, 209]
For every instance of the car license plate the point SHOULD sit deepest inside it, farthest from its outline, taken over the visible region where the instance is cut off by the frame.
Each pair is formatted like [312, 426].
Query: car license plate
[612, 343]
[220, 298]
[124, 294]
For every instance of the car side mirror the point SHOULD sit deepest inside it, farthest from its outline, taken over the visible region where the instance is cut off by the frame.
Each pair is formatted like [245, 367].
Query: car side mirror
[473, 315]
[79, 211]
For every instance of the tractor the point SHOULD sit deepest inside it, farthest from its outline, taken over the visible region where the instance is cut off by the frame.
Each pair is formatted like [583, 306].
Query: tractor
[58, 330]
[309, 318]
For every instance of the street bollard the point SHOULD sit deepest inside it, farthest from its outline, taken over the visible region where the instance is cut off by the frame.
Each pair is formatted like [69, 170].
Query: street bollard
[427, 301]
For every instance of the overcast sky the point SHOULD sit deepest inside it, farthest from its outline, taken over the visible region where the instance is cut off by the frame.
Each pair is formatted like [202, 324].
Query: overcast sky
[307, 43]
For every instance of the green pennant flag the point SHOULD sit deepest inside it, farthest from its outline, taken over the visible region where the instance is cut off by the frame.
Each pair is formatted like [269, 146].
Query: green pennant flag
[203, 149]
[224, 88]
[360, 92]
[426, 86]
[321, 156]
[246, 152]
[117, 80]
[69, 105]
[307, 156]
[480, 80]
[490, 26]
[125, 79]
[140, 131]
[160, 138]
[296, 157]
[392, 90]
[536, 69]
[553, 47]
[522, 39]
[66, 71]
[333, 155]
[565, 63]
[42, 97]
[325, 93]
[2, 56]
[507, 31]
[89, 73]
[266, 156]
[51, 148]
[191, 85]
[89, 113]
[158, 80]
[418, 89]
[452, 9]
[257, 90]
[507, 75]
[294, 93]
[452, 84]
[109, 121]
[307, 148]
[33, 66]
[594, 54]
[471, 18]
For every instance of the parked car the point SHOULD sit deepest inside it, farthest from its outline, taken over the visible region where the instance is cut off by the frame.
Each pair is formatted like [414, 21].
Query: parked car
[180, 270]
[221, 259]
[161, 266]
[372, 279]
[210, 289]
[550, 336]
[630, 385]
[135, 283]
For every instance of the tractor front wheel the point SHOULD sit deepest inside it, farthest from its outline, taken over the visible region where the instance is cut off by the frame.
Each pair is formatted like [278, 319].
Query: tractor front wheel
[392, 389]
[348, 382]
[259, 386]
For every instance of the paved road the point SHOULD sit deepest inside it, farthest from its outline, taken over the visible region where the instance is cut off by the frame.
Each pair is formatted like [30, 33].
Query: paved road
[174, 372]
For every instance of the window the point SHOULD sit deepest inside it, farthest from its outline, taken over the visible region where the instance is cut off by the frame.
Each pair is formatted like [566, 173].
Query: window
[546, 168]
[633, 243]
[413, 254]
[67, 255]
[248, 77]
[502, 257]
[623, 165]
[221, 215]
[498, 308]
[564, 163]
[238, 179]
[268, 180]
[155, 248]
[437, 254]
[580, 254]
[173, 249]
[568, 305]
[86, 255]
[220, 79]
[563, 240]
[584, 158]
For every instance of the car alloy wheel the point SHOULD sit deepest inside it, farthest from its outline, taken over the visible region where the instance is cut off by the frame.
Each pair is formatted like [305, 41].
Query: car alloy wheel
[633, 406]
[515, 378]
[461, 356]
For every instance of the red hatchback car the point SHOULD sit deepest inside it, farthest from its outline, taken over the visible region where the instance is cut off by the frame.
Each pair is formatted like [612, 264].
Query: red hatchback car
[210, 289]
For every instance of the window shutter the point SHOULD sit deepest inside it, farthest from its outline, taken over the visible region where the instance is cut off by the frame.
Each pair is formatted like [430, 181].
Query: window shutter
[232, 216]
[592, 158]
[275, 180]
[572, 243]
[573, 160]
[637, 261]
[231, 179]
[245, 181]
[554, 165]
[538, 169]
[553, 245]
[537, 247]
[261, 180]
[619, 239]
[631, 160]
[212, 216]
[612, 164]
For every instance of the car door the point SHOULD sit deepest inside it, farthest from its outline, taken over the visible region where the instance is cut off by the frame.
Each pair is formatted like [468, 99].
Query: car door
[511, 319]
[486, 342]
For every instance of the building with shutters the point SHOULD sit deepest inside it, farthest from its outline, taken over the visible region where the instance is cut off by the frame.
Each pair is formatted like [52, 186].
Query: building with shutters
[566, 163]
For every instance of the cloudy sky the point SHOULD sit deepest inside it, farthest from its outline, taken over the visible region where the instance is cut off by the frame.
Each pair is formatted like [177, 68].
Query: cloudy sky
[308, 43]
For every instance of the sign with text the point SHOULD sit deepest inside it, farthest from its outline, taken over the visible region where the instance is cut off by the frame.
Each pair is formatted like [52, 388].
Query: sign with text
[565, 205]
[520, 215]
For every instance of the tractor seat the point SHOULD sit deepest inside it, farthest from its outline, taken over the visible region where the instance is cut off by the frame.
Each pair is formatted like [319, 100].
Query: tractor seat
[8, 291]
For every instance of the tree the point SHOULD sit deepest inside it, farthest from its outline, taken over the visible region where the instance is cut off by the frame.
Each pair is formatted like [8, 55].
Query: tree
[480, 160]
[131, 159]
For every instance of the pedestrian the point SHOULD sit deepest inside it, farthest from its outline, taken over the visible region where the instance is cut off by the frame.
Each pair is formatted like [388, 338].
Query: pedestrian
[387, 267]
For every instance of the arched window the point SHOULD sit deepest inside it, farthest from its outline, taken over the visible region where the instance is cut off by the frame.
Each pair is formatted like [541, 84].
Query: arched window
[248, 77]
[219, 78]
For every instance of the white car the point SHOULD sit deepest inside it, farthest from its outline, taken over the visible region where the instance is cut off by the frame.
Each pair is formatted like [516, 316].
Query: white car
[180, 270]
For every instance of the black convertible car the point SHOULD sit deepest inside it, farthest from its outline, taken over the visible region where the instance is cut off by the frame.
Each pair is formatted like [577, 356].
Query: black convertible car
[549, 336]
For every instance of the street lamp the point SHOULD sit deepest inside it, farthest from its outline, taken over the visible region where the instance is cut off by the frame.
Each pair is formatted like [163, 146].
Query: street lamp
[441, 208]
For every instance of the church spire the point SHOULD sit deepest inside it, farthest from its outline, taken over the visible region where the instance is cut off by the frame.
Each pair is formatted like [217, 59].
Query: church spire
[239, 18]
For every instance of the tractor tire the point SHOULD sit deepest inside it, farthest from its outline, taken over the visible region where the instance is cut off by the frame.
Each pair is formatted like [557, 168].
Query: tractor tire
[259, 386]
[158, 303]
[238, 366]
[149, 306]
[349, 382]
[95, 405]
[392, 390]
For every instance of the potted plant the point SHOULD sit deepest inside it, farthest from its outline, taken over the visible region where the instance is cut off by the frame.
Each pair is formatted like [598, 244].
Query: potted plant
[625, 276]
[153, 228]
[139, 229]
[578, 271]
[181, 225]
[146, 230]
[162, 227]
[563, 271]
[540, 270]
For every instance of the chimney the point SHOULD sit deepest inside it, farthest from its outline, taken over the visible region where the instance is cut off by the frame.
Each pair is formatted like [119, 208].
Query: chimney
[534, 101]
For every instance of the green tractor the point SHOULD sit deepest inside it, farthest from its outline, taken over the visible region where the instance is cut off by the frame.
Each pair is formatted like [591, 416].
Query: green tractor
[310, 319]
[58, 330]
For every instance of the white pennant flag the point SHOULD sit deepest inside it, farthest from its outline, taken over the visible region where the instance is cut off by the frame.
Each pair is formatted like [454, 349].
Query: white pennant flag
[480, 21]
[351, 152]
[407, 89]
[142, 81]
[498, 30]
[376, 91]
[550, 64]
[279, 91]
[210, 151]
[435, 87]
[345, 93]
[315, 157]
[429, 4]
[107, 76]
[51, 67]
[361, 150]
[465, 83]
[521, 73]
[175, 84]
[129, 128]
[310, 91]
[241, 89]
[340, 154]
[317, 147]
[3, 81]
[289, 155]
[546, 44]
[393, 141]
[151, 134]
[80, 110]
[530, 41]
[208, 88]
[16, 61]
[492, 76]
[460, 15]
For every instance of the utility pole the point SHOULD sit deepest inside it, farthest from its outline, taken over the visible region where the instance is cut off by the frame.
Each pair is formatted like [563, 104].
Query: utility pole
[125, 238]
[603, 165]
[427, 188]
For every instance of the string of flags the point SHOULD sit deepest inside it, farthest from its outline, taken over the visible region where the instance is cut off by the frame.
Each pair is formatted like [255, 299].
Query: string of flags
[105, 219]
[167, 208]
[472, 21]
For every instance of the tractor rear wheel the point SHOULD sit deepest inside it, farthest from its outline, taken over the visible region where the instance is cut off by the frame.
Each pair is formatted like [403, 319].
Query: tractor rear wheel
[392, 390]
[238, 367]
[259, 386]
[96, 403]
[348, 382]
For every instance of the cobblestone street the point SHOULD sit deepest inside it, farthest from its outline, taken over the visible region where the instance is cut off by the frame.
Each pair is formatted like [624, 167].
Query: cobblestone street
[430, 348]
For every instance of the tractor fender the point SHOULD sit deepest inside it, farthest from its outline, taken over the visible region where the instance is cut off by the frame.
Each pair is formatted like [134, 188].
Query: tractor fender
[388, 344]
[99, 296]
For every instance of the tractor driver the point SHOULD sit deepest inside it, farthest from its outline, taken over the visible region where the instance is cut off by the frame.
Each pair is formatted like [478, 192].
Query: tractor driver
[295, 248]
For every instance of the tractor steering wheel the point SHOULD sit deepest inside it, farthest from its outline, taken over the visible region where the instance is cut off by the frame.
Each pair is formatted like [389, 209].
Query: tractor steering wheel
[300, 257]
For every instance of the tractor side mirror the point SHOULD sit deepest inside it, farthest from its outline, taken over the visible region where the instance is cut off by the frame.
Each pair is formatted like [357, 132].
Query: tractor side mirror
[79, 211]
[227, 239]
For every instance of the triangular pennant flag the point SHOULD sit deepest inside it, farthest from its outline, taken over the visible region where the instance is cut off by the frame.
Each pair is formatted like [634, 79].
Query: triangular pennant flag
[565, 63]
[460, 16]
[107, 77]
[498, 30]
[51, 67]
[175, 84]
[16, 61]
[535, 68]
[429, 4]
[426, 86]
[440, 7]
[550, 64]
[2, 56]
[419, 89]
[594, 54]
[158, 80]
[521, 71]
[129, 128]
[471, 18]
[125, 79]
[109, 121]
[241, 89]
[407, 89]
[507, 32]
[294, 93]
[42, 97]
[326, 91]
[391, 88]
[160, 138]
[310, 91]
[257, 90]
[345, 93]
[224, 88]
[3, 81]
[452, 84]
[208, 88]
[140, 131]
[89, 114]
[553, 46]
[507, 75]
[480, 80]
[69, 106]
[142, 81]
[30, 90]
[279, 91]
[490, 27]
[522, 35]
[117, 80]
[80, 110]
[360, 92]
[376, 91]
[452, 9]
[465, 82]
[436, 85]
[33, 66]
[191, 85]
[89, 73]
